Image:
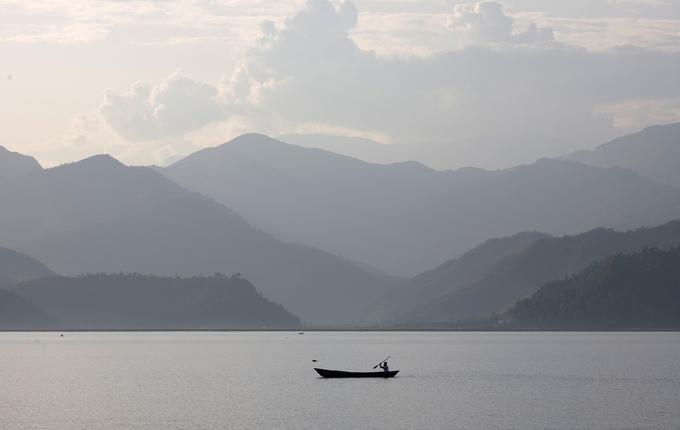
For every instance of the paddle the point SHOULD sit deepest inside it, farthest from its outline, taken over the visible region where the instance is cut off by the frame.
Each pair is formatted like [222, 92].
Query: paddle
[382, 361]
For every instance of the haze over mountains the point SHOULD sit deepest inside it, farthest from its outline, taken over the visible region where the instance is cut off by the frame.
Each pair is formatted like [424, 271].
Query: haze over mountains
[522, 272]
[18, 313]
[13, 164]
[623, 292]
[653, 152]
[321, 233]
[490, 151]
[123, 302]
[455, 274]
[16, 267]
[406, 218]
[32, 297]
[98, 215]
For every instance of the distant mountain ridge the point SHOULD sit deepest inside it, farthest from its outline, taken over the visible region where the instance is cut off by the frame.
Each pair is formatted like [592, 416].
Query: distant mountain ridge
[356, 147]
[13, 164]
[32, 297]
[625, 291]
[100, 216]
[520, 274]
[16, 267]
[491, 150]
[454, 274]
[132, 301]
[653, 152]
[405, 218]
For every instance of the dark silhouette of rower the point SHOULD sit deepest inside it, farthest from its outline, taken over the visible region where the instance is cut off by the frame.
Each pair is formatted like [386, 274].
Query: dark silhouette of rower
[384, 366]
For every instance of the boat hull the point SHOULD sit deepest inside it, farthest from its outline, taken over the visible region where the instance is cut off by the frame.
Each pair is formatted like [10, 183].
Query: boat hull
[325, 373]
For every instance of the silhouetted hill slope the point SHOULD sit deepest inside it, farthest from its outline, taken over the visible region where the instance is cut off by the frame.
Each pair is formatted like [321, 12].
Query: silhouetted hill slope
[635, 291]
[16, 267]
[406, 218]
[13, 164]
[98, 215]
[17, 313]
[119, 302]
[521, 274]
[454, 274]
[653, 152]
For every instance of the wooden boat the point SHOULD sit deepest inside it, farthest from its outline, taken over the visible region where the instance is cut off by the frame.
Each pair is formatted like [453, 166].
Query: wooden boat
[342, 374]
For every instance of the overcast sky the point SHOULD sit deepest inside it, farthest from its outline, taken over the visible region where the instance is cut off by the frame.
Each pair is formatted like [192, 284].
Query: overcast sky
[145, 80]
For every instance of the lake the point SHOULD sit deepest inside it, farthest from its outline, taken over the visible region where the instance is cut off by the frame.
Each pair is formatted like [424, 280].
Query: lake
[262, 380]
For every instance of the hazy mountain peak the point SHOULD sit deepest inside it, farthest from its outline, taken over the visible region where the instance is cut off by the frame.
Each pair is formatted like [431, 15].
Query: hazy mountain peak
[413, 165]
[252, 145]
[98, 215]
[565, 167]
[251, 149]
[653, 152]
[16, 267]
[13, 164]
[651, 134]
[405, 218]
[99, 162]
[253, 138]
[252, 142]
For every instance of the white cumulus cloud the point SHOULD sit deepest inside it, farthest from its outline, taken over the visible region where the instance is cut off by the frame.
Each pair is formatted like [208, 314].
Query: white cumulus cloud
[487, 22]
[509, 80]
[173, 107]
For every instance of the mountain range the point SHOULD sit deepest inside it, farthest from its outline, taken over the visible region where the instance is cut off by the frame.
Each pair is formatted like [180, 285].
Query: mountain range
[326, 235]
[32, 297]
[140, 302]
[13, 165]
[16, 268]
[492, 150]
[623, 292]
[653, 152]
[100, 216]
[405, 218]
[521, 273]
[455, 274]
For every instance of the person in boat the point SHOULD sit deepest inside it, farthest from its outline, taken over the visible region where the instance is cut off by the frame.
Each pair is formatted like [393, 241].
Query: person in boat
[384, 366]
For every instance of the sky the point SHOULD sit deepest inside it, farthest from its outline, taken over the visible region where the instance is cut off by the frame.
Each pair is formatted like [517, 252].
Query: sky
[146, 81]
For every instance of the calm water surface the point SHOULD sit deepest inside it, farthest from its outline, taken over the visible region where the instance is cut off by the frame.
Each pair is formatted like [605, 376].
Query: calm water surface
[265, 380]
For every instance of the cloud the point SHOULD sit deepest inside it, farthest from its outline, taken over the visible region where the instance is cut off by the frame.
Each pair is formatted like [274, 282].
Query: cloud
[510, 83]
[487, 22]
[90, 134]
[87, 135]
[144, 23]
[635, 114]
[311, 71]
[65, 35]
[636, 3]
[173, 107]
